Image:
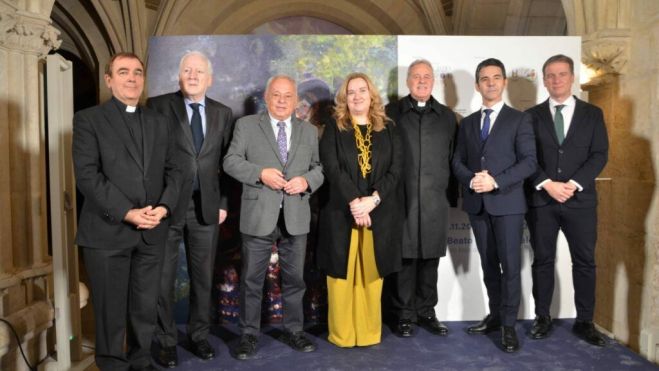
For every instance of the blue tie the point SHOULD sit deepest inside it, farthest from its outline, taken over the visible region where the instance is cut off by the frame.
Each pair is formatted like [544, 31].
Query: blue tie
[195, 126]
[485, 131]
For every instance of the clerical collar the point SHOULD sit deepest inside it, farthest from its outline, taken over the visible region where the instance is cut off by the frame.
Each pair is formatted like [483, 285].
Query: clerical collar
[124, 107]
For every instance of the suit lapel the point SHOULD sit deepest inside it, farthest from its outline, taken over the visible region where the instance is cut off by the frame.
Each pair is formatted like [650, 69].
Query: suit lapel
[577, 116]
[148, 136]
[376, 148]
[296, 129]
[178, 107]
[547, 121]
[499, 122]
[211, 127]
[265, 125]
[116, 121]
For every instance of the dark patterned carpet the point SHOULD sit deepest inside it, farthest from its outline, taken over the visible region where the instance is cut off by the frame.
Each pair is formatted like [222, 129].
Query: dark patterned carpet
[424, 351]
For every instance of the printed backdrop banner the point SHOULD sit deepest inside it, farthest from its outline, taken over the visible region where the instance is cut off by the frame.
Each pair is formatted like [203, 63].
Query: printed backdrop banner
[243, 64]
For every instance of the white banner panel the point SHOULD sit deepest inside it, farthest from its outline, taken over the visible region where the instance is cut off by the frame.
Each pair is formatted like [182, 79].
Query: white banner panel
[462, 295]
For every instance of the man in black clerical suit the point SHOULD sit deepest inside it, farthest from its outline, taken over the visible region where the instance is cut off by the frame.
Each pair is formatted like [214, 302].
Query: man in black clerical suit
[428, 130]
[572, 148]
[125, 167]
[495, 152]
[203, 129]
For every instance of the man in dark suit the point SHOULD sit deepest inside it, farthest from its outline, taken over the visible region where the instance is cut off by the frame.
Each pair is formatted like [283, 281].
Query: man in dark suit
[203, 129]
[572, 150]
[124, 161]
[495, 152]
[428, 130]
[275, 156]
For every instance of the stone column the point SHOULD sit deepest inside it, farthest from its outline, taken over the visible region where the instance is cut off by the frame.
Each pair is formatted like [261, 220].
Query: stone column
[25, 38]
[620, 42]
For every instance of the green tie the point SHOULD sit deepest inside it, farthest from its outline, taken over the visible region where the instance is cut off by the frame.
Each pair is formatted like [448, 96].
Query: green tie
[558, 123]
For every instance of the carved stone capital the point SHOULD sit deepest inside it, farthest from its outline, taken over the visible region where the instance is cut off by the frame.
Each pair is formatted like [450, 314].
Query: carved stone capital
[606, 52]
[28, 32]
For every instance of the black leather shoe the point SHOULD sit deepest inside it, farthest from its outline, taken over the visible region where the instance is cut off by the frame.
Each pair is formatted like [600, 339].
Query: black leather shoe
[167, 357]
[299, 341]
[541, 327]
[488, 324]
[202, 349]
[433, 325]
[247, 347]
[588, 332]
[509, 340]
[404, 328]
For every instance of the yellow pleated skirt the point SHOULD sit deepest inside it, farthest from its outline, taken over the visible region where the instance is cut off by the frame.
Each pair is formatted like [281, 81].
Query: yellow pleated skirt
[354, 317]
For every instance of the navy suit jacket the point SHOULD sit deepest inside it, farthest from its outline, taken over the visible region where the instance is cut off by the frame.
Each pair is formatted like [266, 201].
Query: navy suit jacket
[581, 157]
[213, 186]
[508, 155]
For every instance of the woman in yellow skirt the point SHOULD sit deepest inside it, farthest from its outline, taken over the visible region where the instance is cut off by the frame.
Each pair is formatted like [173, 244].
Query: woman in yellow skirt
[360, 222]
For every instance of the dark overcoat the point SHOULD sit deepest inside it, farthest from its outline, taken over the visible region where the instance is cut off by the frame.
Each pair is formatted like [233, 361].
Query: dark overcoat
[428, 140]
[338, 154]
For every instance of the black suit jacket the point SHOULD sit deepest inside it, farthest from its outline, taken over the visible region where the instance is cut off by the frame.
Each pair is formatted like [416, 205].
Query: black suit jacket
[581, 157]
[212, 181]
[508, 154]
[113, 178]
[338, 154]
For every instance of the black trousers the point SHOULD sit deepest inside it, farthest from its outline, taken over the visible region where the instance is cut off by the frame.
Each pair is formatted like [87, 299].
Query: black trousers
[200, 247]
[580, 229]
[499, 239]
[256, 251]
[415, 289]
[124, 291]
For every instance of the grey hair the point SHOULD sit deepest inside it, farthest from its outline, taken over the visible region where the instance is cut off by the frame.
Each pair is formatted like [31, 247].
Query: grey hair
[280, 76]
[197, 53]
[417, 62]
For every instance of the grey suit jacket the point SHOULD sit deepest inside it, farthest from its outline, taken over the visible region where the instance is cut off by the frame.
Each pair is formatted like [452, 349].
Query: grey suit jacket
[253, 149]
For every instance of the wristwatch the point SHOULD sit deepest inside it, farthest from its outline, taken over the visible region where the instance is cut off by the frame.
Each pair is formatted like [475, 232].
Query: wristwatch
[376, 199]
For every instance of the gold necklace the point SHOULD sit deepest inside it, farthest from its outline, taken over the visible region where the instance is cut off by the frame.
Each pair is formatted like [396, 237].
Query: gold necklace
[364, 147]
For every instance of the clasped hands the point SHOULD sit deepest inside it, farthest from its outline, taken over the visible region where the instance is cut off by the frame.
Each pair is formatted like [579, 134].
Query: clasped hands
[147, 217]
[560, 191]
[360, 208]
[482, 182]
[274, 179]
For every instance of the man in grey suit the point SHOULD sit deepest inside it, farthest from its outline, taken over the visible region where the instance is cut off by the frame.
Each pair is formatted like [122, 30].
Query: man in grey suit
[202, 127]
[275, 156]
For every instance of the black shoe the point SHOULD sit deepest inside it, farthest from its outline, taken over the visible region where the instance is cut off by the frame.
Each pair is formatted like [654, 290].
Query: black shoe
[167, 357]
[488, 324]
[404, 328]
[509, 340]
[433, 325]
[588, 332]
[298, 341]
[202, 349]
[541, 327]
[247, 347]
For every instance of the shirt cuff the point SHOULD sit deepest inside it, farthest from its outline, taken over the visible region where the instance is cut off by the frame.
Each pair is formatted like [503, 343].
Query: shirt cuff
[579, 187]
[542, 184]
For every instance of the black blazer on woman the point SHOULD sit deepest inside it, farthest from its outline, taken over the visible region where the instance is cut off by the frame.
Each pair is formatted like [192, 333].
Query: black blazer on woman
[338, 154]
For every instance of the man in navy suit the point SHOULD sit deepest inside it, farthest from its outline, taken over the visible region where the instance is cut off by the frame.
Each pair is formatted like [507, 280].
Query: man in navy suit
[203, 128]
[572, 150]
[495, 152]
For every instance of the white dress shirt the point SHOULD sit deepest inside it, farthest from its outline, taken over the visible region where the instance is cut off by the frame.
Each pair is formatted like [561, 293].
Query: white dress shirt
[202, 112]
[275, 129]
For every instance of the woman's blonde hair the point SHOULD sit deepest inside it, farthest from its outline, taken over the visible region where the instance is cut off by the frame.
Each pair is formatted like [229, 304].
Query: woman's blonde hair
[376, 115]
